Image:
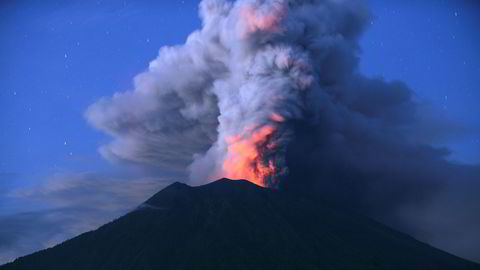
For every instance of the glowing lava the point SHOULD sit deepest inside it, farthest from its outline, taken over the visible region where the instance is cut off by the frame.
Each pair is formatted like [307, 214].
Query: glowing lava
[245, 161]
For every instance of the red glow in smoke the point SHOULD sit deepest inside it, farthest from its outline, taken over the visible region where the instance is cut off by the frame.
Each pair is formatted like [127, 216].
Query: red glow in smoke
[244, 161]
[256, 20]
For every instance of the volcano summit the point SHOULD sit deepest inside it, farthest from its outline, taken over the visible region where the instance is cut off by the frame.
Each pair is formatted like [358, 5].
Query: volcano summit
[239, 225]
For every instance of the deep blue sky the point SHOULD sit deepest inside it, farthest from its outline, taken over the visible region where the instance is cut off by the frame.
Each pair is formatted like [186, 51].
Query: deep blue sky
[433, 47]
[56, 58]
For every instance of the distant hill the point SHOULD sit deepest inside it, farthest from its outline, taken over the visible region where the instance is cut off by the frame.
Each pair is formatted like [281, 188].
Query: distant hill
[238, 225]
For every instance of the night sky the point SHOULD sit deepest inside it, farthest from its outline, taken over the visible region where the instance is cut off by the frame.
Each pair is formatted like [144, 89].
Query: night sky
[58, 57]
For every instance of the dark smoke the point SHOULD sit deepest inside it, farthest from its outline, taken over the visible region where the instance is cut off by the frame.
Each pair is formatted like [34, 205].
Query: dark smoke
[355, 141]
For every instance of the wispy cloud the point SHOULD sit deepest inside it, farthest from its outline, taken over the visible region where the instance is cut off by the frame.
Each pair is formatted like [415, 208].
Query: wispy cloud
[72, 203]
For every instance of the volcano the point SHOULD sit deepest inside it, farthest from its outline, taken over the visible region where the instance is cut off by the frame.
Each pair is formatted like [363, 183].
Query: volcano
[238, 225]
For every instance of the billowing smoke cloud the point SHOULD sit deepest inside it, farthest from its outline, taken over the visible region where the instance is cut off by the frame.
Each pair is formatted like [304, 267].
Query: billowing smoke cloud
[250, 62]
[271, 90]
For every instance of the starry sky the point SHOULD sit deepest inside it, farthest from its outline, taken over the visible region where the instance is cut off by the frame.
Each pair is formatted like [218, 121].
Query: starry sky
[58, 57]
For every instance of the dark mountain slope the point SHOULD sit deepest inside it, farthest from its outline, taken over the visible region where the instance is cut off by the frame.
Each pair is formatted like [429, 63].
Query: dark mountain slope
[238, 225]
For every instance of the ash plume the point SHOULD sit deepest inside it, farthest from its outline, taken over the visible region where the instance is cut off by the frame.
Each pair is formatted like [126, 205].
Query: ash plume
[271, 90]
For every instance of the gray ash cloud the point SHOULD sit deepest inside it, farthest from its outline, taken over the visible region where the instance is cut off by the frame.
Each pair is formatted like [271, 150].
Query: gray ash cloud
[354, 140]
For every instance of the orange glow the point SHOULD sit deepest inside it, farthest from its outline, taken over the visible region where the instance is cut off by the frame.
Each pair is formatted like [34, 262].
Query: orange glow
[264, 22]
[277, 117]
[244, 161]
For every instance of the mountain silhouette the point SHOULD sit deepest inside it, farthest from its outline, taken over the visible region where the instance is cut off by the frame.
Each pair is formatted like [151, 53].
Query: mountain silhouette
[237, 225]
